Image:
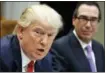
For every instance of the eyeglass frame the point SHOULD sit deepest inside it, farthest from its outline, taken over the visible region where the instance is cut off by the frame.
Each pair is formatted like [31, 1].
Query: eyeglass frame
[84, 19]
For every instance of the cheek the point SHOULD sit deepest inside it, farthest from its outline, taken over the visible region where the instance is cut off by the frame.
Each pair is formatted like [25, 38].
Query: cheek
[24, 40]
[77, 24]
[79, 28]
[50, 43]
[29, 41]
[95, 28]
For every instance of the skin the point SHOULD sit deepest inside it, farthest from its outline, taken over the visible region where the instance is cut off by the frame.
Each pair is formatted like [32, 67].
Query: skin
[86, 31]
[38, 35]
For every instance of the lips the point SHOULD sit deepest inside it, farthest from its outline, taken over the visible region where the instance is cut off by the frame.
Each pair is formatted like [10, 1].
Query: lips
[41, 50]
[86, 33]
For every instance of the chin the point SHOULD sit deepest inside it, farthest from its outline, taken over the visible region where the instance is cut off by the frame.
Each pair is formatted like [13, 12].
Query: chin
[40, 57]
[89, 37]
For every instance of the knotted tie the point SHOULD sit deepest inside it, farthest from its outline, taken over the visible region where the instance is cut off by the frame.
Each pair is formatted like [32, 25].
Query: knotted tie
[30, 66]
[90, 59]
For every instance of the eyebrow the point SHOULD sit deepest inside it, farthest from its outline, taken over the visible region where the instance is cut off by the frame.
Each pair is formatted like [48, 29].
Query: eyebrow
[88, 17]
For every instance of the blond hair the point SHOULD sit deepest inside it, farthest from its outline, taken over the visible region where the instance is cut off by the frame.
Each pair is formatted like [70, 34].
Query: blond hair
[40, 12]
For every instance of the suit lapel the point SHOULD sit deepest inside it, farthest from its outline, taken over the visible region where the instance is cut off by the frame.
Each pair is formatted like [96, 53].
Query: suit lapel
[97, 56]
[17, 66]
[78, 53]
[38, 67]
[44, 65]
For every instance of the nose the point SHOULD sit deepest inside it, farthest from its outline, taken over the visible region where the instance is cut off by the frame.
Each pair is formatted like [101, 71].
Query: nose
[44, 40]
[88, 24]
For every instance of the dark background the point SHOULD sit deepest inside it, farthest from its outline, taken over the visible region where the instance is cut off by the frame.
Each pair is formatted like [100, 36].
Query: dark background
[65, 8]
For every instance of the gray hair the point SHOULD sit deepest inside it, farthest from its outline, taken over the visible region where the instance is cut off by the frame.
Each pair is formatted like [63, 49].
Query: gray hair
[40, 12]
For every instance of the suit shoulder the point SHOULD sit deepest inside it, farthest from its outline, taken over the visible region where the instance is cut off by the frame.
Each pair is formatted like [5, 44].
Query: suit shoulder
[5, 46]
[98, 46]
[96, 43]
[6, 41]
[61, 40]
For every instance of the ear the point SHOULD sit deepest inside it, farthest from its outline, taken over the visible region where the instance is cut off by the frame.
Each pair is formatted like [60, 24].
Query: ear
[20, 30]
[73, 21]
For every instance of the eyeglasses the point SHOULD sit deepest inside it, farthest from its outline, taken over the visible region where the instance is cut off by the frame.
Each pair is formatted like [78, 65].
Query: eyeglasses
[85, 19]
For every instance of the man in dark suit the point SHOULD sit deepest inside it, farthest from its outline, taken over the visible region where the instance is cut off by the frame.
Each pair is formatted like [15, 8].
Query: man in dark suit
[77, 51]
[28, 49]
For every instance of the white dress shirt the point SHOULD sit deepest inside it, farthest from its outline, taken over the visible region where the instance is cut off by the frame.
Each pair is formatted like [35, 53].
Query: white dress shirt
[84, 45]
[25, 61]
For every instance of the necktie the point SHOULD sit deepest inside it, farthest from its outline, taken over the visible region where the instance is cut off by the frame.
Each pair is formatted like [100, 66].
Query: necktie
[30, 66]
[90, 59]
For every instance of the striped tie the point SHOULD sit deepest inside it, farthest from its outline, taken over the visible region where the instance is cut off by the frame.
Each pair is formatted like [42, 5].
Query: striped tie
[90, 59]
[30, 67]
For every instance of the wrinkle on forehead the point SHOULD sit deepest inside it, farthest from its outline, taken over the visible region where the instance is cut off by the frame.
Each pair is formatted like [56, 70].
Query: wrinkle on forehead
[44, 26]
[90, 11]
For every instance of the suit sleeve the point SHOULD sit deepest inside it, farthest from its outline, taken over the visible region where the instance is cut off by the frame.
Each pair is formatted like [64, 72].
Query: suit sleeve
[103, 53]
[0, 64]
[0, 58]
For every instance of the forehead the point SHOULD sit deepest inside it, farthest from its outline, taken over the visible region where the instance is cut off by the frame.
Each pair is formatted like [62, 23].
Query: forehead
[43, 25]
[87, 10]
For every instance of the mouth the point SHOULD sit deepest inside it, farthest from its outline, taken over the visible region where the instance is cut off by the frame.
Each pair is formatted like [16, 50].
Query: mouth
[39, 53]
[87, 32]
[40, 50]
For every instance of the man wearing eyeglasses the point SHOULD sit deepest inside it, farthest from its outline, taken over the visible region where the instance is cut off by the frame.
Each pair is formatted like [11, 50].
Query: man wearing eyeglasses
[77, 51]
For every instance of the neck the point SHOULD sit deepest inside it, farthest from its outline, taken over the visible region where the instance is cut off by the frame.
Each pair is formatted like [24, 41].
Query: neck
[85, 40]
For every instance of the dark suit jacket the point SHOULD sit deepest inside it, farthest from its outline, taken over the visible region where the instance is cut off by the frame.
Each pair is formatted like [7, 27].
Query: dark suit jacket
[10, 57]
[71, 56]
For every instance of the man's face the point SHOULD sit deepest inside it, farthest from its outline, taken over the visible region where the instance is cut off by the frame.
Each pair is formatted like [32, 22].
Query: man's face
[86, 23]
[36, 39]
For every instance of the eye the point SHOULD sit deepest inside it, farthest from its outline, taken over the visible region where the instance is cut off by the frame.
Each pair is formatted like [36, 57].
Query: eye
[83, 17]
[50, 35]
[39, 31]
[94, 19]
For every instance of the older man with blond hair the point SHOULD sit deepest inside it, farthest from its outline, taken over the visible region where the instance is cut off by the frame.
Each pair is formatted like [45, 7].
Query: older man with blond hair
[27, 50]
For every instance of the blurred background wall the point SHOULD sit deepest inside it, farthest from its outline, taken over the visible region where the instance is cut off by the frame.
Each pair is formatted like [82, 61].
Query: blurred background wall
[100, 35]
[13, 10]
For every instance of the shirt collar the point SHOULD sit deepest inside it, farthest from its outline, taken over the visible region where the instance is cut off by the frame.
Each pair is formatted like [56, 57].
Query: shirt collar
[83, 44]
[25, 59]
